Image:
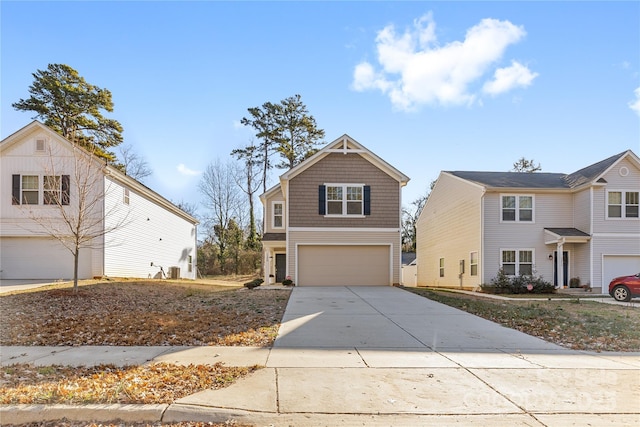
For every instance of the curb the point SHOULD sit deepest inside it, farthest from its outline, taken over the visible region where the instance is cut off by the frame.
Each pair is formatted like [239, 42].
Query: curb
[23, 414]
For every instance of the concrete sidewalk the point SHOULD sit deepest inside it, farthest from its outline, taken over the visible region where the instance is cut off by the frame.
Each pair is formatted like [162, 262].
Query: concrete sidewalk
[378, 356]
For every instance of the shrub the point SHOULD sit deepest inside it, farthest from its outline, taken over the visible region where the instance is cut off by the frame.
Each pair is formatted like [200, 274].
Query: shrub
[288, 281]
[523, 284]
[254, 283]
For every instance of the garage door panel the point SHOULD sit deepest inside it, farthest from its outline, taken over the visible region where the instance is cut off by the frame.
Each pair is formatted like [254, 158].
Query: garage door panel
[618, 265]
[349, 265]
[39, 258]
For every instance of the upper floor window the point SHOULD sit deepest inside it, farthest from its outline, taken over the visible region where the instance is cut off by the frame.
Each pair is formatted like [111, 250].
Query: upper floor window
[26, 190]
[278, 215]
[515, 262]
[126, 196]
[622, 204]
[344, 199]
[52, 189]
[517, 208]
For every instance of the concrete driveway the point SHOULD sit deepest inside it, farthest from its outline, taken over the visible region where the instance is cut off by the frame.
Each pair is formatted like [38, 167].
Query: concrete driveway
[383, 356]
[8, 285]
[388, 317]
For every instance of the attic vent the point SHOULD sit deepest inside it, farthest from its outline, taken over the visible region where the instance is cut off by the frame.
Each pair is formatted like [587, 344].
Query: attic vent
[624, 171]
[40, 145]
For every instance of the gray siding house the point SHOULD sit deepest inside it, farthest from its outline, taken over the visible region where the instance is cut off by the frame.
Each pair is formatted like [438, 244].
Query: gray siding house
[335, 220]
[475, 223]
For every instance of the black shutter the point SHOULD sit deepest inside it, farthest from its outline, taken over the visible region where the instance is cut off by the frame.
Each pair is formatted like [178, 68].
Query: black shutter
[322, 198]
[367, 200]
[65, 189]
[15, 189]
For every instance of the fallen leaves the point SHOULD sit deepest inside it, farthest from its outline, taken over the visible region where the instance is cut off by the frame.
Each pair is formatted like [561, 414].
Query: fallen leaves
[579, 325]
[142, 314]
[154, 383]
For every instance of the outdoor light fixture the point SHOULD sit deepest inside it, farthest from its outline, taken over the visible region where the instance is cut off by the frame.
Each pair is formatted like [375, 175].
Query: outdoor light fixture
[550, 257]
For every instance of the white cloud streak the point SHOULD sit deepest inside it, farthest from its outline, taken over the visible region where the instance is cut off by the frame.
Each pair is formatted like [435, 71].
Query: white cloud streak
[186, 171]
[506, 79]
[635, 104]
[414, 70]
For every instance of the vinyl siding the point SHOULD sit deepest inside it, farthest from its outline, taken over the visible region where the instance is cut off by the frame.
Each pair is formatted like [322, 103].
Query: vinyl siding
[349, 169]
[615, 182]
[144, 233]
[582, 210]
[449, 227]
[550, 210]
[344, 237]
[268, 216]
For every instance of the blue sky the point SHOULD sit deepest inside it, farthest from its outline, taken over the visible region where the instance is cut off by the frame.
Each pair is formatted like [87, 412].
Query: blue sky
[427, 86]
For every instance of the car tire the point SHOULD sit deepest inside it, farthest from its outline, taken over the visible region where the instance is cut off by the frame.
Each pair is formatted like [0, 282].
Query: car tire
[621, 293]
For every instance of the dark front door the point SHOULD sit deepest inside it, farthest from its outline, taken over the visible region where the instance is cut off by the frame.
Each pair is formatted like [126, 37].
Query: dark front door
[281, 267]
[565, 268]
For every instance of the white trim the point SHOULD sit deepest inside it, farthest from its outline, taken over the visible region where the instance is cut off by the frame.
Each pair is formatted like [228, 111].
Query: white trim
[517, 219]
[344, 200]
[517, 261]
[273, 214]
[618, 235]
[623, 205]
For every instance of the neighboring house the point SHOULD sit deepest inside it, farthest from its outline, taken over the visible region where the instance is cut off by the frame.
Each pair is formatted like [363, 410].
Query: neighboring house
[475, 223]
[335, 219]
[136, 231]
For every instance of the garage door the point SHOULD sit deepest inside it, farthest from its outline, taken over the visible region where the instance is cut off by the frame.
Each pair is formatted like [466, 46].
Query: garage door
[363, 265]
[618, 265]
[38, 258]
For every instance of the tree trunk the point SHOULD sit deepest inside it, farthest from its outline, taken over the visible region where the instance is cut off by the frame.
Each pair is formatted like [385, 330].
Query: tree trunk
[76, 256]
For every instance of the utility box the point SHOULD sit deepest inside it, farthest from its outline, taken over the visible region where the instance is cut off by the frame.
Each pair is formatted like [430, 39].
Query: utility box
[174, 272]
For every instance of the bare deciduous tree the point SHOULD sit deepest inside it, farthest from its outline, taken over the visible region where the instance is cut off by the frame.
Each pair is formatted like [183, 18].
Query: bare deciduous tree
[74, 191]
[132, 164]
[223, 202]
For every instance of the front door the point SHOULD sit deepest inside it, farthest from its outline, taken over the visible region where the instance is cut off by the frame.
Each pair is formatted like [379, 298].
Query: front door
[281, 267]
[565, 268]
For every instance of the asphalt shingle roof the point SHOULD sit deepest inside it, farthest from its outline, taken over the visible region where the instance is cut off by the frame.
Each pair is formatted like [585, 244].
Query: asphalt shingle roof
[539, 179]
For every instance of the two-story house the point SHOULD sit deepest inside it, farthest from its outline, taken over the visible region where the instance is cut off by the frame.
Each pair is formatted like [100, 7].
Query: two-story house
[475, 223]
[51, 190]
[335, 220]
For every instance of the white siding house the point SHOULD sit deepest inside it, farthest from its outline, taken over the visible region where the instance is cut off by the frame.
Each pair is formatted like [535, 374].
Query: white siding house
[134, 230]
[475, 223]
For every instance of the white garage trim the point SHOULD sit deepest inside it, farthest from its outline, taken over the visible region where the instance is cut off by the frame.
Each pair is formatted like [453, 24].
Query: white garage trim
[618, 265]
[386, 246]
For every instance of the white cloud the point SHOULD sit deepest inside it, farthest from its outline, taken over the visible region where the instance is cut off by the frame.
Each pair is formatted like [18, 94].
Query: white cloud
[635, 104]
[414, 70]
[186, 171]
[508, 78]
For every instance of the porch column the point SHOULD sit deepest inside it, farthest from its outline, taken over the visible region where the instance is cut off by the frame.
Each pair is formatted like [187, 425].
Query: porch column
[560, 265]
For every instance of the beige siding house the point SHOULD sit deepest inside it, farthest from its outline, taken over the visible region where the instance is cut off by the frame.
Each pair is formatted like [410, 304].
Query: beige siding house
[335, 220]
[475, 223]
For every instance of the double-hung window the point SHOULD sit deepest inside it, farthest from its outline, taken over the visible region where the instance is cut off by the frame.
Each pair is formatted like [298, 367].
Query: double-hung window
[517, 208]
[622, 204]
[52, 189]
[278, 215]
[473, 263]
[27, 190]
[441, 267]
[517, 262]
[30, 190]
[344, 200]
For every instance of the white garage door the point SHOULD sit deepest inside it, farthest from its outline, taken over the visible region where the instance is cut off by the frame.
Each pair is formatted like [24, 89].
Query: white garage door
[343, 265]
[618, 265]
[38, 258]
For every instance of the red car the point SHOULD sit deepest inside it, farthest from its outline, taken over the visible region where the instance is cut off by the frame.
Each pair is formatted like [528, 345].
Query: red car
[624, 288]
